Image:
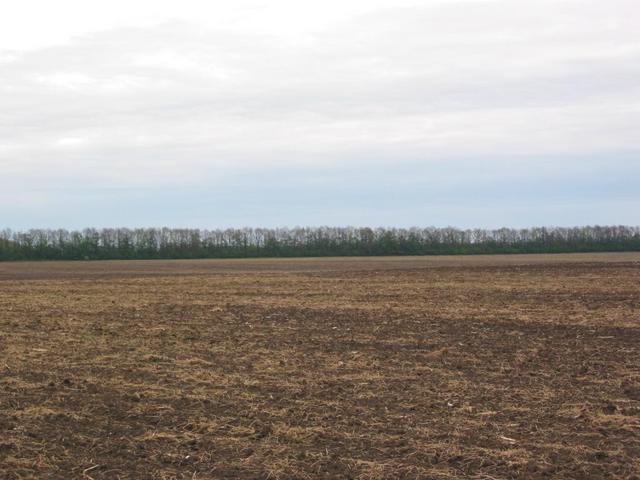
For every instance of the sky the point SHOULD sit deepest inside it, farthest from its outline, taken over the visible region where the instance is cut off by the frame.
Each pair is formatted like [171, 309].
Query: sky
[474, 113]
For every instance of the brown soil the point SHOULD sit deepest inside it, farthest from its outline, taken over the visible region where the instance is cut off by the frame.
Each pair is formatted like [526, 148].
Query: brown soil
[449, 367]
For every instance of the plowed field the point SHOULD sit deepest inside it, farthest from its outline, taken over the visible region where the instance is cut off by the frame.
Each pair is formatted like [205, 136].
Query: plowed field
[488, 367]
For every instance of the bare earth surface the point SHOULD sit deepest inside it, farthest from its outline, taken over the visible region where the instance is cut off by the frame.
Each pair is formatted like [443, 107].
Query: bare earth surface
[486, 367]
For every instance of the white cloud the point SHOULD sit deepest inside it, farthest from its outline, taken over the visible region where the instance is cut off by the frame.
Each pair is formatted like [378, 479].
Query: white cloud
[186, 93]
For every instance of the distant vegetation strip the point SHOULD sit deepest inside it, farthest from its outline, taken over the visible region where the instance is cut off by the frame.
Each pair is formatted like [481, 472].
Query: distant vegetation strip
[165, 243]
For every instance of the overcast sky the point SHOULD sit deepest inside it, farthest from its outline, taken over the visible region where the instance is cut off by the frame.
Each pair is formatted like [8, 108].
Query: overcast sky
[291, 112]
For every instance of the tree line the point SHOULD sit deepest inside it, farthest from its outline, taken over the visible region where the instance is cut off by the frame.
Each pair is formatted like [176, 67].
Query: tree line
[165, 243]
